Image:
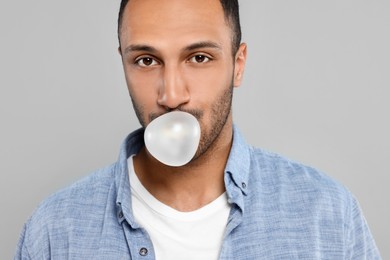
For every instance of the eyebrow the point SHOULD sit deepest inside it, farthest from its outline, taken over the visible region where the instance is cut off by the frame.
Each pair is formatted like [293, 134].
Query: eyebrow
[200, 45]
[191, 47]
[139, 47]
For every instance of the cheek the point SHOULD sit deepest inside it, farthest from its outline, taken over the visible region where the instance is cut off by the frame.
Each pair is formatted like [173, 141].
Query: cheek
[142, 88]
[208, 84]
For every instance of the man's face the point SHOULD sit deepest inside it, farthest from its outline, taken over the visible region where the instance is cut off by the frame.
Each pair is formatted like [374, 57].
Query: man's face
[177, 55]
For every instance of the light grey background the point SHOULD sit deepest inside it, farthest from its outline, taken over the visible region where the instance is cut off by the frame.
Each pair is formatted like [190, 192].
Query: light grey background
[316, 89]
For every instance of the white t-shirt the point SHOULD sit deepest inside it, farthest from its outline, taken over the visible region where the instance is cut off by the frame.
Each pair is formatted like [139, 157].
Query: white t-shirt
[179, 235]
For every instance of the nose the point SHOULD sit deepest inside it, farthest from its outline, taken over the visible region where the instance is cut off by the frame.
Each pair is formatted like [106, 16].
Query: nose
[173, 91]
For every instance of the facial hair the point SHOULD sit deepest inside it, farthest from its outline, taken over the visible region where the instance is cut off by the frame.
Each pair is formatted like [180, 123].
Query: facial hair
[220, 111]
[219, 114]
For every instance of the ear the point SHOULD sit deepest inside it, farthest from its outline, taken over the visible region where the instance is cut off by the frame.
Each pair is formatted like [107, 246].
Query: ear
[119, 50]
[239, 64]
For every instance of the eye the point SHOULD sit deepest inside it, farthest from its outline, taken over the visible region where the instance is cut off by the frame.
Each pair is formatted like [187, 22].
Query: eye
[146, 62]
[200, 59]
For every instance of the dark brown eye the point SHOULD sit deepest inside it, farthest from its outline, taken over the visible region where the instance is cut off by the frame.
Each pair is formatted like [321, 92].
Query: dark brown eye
[199, 59]
[146, 62]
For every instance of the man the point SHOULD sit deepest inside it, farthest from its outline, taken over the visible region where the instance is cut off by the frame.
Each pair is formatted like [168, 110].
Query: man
[231, 201]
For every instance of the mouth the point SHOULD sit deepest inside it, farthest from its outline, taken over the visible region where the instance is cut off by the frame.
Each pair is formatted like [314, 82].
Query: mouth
[173, 138]
[197, 113]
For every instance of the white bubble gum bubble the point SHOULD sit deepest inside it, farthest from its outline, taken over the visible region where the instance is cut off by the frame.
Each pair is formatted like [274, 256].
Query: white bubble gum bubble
[173, 138]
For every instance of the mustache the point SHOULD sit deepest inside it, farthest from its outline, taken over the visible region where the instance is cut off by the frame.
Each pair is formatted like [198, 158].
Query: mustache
[197, 113]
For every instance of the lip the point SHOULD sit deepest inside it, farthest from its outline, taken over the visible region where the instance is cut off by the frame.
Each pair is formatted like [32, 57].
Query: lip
[194, 112]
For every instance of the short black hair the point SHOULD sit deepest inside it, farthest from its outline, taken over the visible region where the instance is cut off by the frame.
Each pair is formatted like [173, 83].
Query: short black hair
[232, 16]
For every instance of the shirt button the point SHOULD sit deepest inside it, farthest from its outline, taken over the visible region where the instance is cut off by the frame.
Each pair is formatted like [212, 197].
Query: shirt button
[120, 215]
[243, 185]
[143, 251]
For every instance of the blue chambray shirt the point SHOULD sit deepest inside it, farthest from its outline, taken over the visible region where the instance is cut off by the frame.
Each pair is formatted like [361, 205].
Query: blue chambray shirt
[280, 210]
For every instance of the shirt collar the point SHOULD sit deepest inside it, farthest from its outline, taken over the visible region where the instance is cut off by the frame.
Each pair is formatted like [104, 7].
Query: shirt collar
[236, 172]
[132, 145]
[237, 169]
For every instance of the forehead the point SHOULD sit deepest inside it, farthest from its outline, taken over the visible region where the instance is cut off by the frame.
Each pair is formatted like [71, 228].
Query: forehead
[174, 20]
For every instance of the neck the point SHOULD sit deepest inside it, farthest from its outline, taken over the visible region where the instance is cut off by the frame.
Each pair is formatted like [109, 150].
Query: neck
[191, 186]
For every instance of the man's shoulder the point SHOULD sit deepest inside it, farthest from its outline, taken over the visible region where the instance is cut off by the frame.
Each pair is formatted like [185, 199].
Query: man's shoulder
[72, 216]
[279, 173]
[86, 193]
[287, 204]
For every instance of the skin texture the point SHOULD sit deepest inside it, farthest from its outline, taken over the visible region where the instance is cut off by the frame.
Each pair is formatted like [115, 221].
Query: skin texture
[177, 55]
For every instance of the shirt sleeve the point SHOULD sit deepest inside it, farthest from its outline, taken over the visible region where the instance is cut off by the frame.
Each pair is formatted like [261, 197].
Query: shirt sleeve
[21, 250]
[360, 242]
